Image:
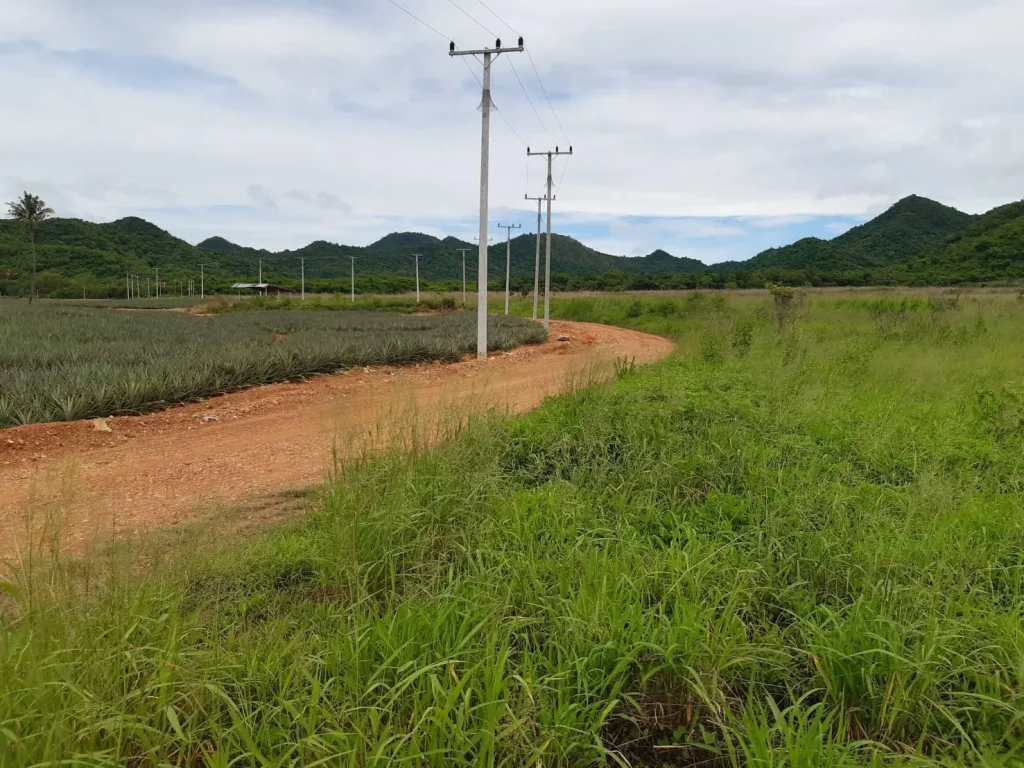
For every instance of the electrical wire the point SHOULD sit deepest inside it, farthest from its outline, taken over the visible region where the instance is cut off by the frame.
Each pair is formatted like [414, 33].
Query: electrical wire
[546, 98]
[467, 15]
[500, 113]
[536, 72]
[421, 21]
[532, 106]
[462, 58]
[561, 178]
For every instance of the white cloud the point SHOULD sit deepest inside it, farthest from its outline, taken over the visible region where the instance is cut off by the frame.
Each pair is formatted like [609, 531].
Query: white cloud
[352, 116]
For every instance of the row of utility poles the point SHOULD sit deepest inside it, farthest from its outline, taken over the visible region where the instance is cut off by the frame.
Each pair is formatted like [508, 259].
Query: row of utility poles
[133, 284]
[486, 104]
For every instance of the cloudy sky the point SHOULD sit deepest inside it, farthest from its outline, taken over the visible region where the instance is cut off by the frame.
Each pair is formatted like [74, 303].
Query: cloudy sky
[709, 129]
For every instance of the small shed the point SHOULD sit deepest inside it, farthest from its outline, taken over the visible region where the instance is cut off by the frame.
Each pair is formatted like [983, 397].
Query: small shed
[262, 288]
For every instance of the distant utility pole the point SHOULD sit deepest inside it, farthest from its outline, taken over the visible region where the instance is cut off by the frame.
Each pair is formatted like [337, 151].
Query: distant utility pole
[202, 282]
[536, 263]
[463, 251]
[353, 258]
[485, 151]
[303, 262]
[508, 257]
[547, 261]
[157, 281]
[148, 293]
[417, 255]
[128, 280]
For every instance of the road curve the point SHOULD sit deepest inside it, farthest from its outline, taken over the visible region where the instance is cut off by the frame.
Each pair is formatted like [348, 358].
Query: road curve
[157, 471]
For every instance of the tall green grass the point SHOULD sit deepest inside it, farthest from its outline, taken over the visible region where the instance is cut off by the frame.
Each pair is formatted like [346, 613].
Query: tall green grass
[777, 548]
[61, 363]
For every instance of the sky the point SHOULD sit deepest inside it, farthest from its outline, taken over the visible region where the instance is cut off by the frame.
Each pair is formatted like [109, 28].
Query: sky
[711, 130]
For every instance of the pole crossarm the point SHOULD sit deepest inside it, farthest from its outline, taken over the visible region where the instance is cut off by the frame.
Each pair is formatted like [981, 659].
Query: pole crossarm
[495, 51]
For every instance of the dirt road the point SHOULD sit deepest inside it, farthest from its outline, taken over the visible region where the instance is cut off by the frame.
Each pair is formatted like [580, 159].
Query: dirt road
[98, 480]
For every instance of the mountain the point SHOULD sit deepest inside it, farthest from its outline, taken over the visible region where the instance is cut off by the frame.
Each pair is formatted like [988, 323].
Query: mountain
[218, 245]
[399, 240]
[917, 241]
[913, 226]
[990, 248]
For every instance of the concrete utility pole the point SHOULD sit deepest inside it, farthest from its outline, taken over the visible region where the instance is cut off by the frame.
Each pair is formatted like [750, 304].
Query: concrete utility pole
[353, 258]
[485, 150]
[508, 257]
[157, 281]
[463, 251]
[202, 282]
[417, 255]
[536, 263]
[303, 262]
[547, 263]
[128, 280]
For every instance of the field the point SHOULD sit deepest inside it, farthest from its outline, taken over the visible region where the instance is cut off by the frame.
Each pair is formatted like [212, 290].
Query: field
[59, 362]
[797, 542]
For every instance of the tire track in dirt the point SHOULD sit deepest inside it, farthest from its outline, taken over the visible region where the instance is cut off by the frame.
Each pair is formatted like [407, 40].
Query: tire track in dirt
[157, 471]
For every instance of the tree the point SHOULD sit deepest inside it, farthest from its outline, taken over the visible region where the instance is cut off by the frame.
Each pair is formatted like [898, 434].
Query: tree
[30, 210]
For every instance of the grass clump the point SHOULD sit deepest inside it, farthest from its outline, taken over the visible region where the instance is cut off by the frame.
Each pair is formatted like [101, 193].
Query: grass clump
[805, 550]
[62, 363]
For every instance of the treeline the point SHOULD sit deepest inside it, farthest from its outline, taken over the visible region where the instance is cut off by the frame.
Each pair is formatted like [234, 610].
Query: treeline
[55, 286]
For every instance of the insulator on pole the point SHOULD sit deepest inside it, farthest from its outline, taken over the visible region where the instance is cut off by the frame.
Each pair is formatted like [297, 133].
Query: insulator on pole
[497, 43]
[451, 47]
[520, 41]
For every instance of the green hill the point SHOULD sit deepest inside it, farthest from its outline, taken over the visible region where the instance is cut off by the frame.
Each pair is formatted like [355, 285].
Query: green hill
[219, 245]
[990, 248]
[913, 226]
[917, 241]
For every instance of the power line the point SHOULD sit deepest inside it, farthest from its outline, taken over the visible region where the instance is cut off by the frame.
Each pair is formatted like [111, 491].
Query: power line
[546, 97]
[487, 8]
[421, 21]
[468, 16]
[532, 64]
[564, 169]
[500, 113]
[532, 106]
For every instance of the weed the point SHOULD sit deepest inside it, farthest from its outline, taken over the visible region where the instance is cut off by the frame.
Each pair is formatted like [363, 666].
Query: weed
[806, 556]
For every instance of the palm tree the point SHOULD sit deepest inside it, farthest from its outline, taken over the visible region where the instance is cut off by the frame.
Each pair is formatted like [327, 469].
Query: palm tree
[30, 210]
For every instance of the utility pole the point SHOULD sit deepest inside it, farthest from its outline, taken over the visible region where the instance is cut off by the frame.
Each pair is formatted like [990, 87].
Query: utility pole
[148, 294]
[463, 251]
[202, 282]
[417, 255]
[547, 263]
[303, 262]
[508, 257]
[485, 151]
[353, 258]
[536, 263]
[128, 279]
[157, 281]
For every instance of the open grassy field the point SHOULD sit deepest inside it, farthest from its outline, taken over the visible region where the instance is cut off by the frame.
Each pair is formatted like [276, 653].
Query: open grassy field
[797, 542]
[61, 363]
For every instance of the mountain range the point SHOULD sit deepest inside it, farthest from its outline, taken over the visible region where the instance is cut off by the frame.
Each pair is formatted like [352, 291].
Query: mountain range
[917, 241]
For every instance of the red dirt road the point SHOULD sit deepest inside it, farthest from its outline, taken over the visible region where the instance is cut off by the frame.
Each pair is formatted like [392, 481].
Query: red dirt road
[157, 471]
